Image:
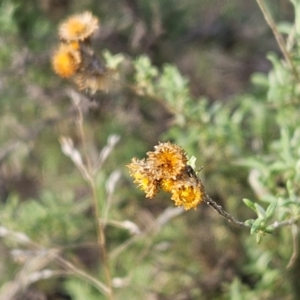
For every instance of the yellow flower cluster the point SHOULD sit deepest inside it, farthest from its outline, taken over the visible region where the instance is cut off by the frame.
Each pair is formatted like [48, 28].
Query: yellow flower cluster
[166, 169]
[74, 57]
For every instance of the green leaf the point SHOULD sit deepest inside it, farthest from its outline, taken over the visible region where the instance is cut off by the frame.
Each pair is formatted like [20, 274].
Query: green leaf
[250, 204]
[256, 225]
[285, 27]
[260, 79]
[80, 290]
[290, 188]
[112, 61]
[192, 162]
[297, 14]
[271, 209]
[260, 211]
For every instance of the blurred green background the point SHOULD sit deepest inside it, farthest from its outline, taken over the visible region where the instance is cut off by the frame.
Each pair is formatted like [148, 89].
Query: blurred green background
[209, 106]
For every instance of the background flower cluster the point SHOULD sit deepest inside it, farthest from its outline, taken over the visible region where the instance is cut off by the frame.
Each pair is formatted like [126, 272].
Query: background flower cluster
[75, 57]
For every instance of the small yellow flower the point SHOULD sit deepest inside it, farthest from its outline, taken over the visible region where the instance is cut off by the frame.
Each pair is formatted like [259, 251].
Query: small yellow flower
[66, 61]
[187, 194]
[78, 27]
[139, 170]
[167, 185]
[168, 160]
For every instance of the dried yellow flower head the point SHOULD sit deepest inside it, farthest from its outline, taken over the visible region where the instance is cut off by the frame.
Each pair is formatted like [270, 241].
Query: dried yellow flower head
[187, 193]
[66, 60]
[166, 169]
[139, 170]
[78, 27]
[168, 160]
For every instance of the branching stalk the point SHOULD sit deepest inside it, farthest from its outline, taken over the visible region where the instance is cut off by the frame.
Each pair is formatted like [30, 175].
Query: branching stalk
[279, 38]
[53, 255]
[220, 210]
[288, 222]
[99, 226]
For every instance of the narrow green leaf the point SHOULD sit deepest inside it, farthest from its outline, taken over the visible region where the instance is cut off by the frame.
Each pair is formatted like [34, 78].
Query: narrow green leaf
[250, 204]
[260, 211]
[271, 209]
[290, 189]
[256, 225]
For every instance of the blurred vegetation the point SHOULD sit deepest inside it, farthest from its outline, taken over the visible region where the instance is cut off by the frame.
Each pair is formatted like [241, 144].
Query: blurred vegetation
[210, 77]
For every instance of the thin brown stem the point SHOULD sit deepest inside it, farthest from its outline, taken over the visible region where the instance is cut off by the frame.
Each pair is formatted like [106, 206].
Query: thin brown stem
[220, 210]
[82, 136]
[279, 38]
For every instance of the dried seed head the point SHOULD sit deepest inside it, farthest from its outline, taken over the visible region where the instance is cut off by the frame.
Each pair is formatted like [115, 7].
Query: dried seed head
[187, 193]
[142, 175]
[78, 27]
[168, 160]
[94, 82]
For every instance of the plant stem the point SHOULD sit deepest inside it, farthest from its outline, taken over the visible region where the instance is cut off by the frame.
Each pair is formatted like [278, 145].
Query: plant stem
[81, 274]
[280, 40]
[220, 210]
[288, 222]
[53, 255]
[101, 238]
[99, 226]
